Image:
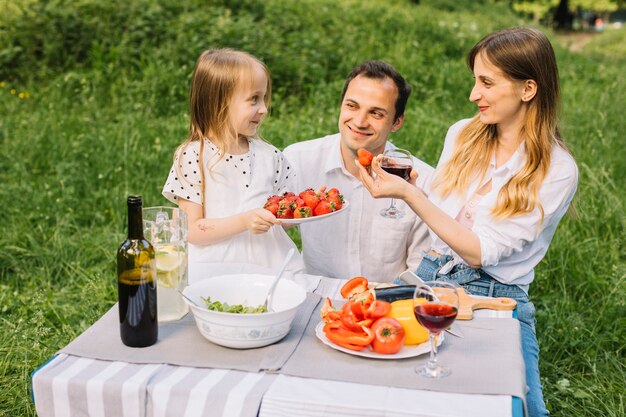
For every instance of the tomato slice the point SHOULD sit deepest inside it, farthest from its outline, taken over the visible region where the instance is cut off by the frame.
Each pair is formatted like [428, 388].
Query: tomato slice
[388, 336]
[355, 286]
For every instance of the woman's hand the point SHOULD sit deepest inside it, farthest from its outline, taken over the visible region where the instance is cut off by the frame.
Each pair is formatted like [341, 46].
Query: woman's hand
[259, 220]
[386, 184]
[461, 239]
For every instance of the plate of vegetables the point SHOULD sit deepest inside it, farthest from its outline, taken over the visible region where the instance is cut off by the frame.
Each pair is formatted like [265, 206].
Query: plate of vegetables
[407, 351]
[373, 328]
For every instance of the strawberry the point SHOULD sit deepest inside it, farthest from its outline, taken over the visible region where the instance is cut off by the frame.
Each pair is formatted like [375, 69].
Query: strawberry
[324, 207]
[300, 203]
[365, 157]
[334, 196]
[305, 192]
[336, 199]
[289, 200]
[311, 199]
[272, 207]
[284, 212]
[272, 204]
[287, 205]
[302, 212]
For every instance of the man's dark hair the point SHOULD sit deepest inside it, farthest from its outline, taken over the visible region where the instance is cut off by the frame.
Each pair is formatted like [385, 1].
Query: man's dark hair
[380, 70]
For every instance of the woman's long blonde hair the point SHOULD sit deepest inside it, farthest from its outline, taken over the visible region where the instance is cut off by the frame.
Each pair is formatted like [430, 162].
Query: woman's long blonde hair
[521, 54]
[216, 77]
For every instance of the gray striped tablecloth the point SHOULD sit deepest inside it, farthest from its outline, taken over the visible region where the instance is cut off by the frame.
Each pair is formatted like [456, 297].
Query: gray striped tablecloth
[71, 387]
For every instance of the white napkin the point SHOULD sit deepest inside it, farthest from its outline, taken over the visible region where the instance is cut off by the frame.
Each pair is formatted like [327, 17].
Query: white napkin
[290, 396]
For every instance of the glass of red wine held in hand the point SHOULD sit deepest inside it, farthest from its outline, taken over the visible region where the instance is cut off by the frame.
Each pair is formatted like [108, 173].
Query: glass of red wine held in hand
[435, 305]
[397, 162]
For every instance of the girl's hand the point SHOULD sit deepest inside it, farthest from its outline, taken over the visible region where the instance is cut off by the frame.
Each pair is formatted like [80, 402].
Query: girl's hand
[386, 184]
[259, 220]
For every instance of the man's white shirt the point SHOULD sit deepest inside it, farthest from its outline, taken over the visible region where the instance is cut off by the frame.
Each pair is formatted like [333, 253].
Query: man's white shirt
[357, 241]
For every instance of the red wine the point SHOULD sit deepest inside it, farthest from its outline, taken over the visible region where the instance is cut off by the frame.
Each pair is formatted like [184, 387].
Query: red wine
[402, 171]
[435, 316]
[136, 283]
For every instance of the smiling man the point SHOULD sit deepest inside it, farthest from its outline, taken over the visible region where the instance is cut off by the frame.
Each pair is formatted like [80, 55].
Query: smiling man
[359, 241]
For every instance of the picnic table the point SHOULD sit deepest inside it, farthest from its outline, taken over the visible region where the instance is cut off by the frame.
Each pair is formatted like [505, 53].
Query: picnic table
[183, 374]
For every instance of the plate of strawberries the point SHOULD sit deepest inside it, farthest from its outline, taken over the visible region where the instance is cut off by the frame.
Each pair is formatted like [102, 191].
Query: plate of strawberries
[307, 206]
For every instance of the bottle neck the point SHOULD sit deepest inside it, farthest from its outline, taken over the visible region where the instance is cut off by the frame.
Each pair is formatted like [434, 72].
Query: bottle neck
[135, 222]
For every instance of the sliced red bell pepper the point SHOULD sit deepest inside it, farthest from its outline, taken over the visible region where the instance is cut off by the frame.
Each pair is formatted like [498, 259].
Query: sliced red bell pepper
[365, 298]
[337, 333]
[328, 306]
[355, 286]
[349, 321]
[352, 308]
[347, 345]
[376, 309]
[328, 312]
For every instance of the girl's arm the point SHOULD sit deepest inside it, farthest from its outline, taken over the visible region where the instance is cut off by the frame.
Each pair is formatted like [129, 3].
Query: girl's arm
[460, 239]
[208, 231]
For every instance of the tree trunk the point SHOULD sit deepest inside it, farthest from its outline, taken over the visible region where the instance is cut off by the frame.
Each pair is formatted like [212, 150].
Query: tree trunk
[563, 18]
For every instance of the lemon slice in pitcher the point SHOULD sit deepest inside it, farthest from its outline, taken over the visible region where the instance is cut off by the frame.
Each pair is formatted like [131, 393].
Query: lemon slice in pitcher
[167, 258]
[168, 261]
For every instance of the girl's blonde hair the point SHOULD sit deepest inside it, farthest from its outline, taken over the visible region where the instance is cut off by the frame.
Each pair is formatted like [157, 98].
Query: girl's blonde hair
[216, 77]
[521, 54]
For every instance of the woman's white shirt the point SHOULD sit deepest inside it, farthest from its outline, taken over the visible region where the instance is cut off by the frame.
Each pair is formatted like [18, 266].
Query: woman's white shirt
[512, 247]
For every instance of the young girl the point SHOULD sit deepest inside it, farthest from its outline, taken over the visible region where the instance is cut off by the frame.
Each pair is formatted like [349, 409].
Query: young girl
[504, 181]
[223, 173]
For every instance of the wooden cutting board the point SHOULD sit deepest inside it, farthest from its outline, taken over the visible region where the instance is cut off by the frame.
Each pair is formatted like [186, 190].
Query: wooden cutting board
[469, 303]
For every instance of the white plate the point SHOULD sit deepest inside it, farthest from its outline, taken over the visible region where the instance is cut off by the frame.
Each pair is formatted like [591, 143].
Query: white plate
[315, 218]
[407, 351]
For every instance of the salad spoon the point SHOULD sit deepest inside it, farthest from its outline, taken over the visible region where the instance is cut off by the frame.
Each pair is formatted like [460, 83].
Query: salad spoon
[188, 299]
[270, 294]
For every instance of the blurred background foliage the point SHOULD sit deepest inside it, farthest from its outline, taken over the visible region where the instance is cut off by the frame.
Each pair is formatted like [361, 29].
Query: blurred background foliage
[93, 102]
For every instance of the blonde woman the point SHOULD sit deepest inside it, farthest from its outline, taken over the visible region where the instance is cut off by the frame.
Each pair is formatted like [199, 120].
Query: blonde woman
[503, 182]
[223, 172]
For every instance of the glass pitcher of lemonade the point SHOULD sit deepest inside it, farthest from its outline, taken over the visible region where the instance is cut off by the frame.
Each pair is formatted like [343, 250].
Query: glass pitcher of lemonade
[166, 229]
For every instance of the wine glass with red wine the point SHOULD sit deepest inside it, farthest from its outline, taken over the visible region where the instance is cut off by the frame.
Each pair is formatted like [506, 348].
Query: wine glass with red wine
[435, 305]
[397, 162]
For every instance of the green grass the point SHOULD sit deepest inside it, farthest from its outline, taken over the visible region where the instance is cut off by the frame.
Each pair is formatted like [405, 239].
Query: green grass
[107, 107]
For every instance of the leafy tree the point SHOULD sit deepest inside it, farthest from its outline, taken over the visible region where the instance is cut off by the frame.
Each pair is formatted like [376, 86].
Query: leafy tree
[561, 12]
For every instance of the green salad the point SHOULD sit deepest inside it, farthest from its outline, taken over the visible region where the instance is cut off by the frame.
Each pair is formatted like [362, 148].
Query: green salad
[237, 308]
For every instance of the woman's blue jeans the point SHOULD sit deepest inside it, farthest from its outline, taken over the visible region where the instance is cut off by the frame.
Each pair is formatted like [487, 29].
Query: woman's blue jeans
[478, 282]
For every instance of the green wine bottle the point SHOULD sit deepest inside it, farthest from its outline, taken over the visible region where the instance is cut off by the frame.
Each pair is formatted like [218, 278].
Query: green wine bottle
[136, 282]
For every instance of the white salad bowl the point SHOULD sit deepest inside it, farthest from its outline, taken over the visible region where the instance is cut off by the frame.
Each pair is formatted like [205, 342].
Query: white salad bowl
[243, 331]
